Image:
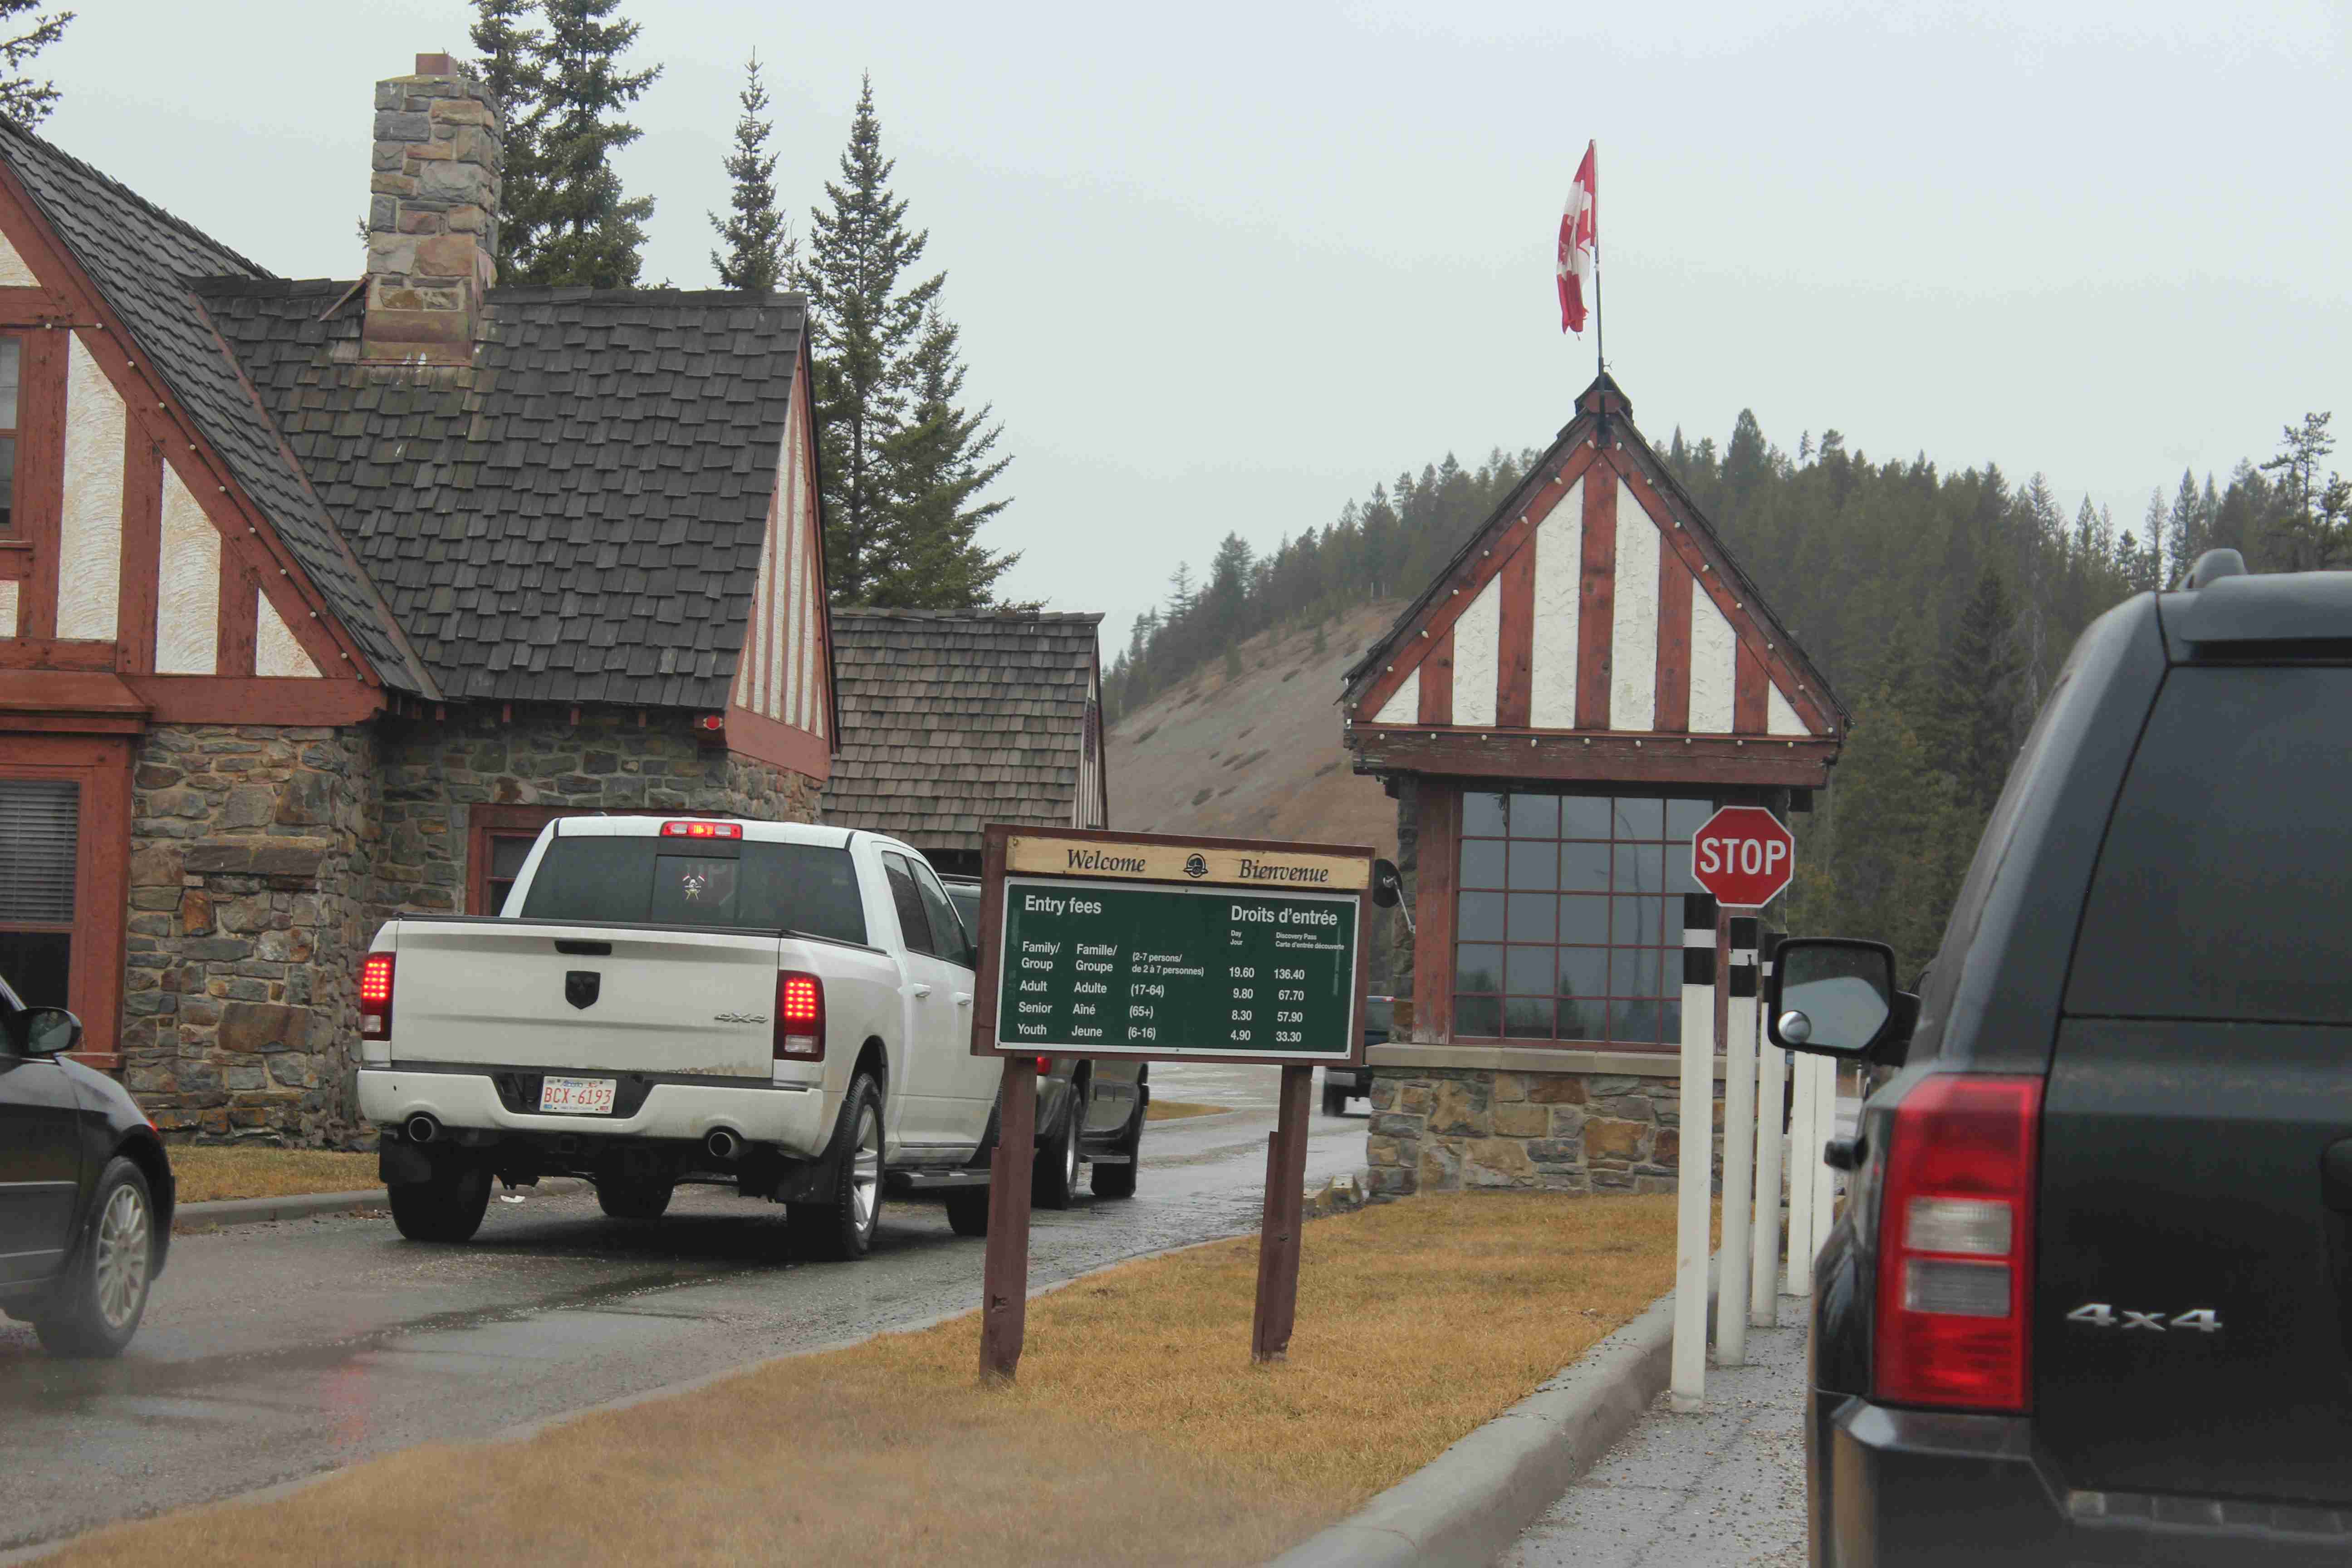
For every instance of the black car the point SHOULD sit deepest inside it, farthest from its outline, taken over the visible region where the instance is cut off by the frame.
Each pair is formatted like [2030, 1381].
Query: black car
[86, 1191]
[2091, 1298]
[1340, 1083]
[1088, 1108]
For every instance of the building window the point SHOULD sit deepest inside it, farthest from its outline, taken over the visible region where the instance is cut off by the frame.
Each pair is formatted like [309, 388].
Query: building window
[40, 839]
[502, 837]
[1568, 924]
[11, 363]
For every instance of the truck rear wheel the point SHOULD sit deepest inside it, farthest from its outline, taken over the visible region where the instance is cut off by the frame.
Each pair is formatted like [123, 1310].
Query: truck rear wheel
[447, 1207]
[1054, 1182]
[841, 1225]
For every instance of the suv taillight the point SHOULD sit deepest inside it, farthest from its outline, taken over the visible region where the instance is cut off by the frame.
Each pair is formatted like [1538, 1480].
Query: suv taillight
[800, 1018]
[375, 997]
[1955, 1244]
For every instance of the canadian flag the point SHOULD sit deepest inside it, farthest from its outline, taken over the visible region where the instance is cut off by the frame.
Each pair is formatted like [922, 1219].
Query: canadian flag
[1580, 246]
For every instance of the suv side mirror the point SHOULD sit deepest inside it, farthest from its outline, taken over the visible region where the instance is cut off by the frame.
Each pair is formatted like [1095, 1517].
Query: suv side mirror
[1833, 996]
[44, 1032]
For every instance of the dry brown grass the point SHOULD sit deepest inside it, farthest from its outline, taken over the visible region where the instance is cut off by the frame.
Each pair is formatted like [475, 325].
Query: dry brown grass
[206, 1174]
[1173, 1109]
[1139, 1432]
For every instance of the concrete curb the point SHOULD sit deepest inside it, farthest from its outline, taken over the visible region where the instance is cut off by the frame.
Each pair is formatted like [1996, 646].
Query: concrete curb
[305, 1205]
[1466, 1506]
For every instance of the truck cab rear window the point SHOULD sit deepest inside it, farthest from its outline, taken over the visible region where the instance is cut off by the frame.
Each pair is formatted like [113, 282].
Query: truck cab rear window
[2220, 892]
[760, 886]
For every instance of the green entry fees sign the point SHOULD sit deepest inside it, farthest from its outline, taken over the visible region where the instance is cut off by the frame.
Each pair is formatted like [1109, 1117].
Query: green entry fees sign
[1113, 969]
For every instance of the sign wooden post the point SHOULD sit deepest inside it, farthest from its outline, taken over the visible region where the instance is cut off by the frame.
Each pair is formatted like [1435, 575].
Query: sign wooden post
[1095, 943]
[1277, 1236]
[1004, 1278]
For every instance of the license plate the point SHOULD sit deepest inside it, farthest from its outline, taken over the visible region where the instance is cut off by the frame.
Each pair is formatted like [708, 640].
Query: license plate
[577, 1096]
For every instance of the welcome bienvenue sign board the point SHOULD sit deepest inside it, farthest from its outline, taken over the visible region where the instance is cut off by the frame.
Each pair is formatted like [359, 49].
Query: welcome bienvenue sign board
[1099, 943]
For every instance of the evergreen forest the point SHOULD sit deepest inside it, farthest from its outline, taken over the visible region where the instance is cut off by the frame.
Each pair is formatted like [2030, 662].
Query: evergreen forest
[1940, 605]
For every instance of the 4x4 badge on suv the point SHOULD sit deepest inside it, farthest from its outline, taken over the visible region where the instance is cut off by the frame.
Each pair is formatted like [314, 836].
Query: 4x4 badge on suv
[2100, 1315]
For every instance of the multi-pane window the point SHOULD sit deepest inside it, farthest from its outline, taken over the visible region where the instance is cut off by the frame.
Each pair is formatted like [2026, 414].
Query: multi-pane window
[1568, 924]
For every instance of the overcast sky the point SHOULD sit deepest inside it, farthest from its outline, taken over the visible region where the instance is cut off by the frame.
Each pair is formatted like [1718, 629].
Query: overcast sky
[1223, 267]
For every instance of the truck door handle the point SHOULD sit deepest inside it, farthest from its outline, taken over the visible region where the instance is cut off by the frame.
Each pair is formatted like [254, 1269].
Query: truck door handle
[964, 998]
[922, 990]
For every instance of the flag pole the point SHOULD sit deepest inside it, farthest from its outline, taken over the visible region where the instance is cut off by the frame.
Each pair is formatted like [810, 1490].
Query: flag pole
[1600, 331]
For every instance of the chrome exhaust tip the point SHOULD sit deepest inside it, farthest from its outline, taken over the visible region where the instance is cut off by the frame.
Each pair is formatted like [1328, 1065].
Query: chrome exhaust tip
[723, 1144]
[421, 1129]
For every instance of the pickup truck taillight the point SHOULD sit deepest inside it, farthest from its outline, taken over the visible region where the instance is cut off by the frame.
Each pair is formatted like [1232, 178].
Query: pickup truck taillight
[1955, 1244]
[375, 997]
[800, 1018]
[702, 830]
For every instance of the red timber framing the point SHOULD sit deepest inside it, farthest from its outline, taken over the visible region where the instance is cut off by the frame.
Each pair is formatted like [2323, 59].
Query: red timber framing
[157, 431]
[99, 766]
[1436, 856]
[1624, 488]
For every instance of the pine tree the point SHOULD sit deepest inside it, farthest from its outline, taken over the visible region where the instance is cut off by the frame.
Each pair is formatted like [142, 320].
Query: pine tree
[509, 66]
[937, 463]
[867, 326]
[22, 98]
[759, 249]
[2311, 527]
[583, 231]
[2184, 533]
[1975, 723]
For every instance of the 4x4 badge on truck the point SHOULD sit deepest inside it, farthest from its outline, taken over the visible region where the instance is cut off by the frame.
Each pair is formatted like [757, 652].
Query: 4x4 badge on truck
[2100, 1315]
[738, 1017]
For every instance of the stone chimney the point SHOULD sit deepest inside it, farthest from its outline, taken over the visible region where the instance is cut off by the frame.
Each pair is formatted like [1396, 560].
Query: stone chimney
[432, 214]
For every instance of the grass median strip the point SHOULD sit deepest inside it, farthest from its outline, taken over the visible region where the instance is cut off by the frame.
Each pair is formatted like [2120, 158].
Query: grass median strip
[206, 1174]
[1176, 1110]
[1139, 1432]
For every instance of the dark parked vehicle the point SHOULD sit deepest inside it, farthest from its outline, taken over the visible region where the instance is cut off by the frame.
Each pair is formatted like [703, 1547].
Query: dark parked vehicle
[86, 1192]
[2091, 1298]
[1340, 1083]
[1088, 1108]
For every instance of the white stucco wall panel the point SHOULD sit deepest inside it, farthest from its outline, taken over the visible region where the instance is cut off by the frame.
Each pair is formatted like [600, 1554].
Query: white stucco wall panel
[1634, 634]
[788, 582]
[89, 530]
[7, 609]
[1558, 545]
[14, 273]
[1714, 665]
[275, 651]
[188, 597]
[1780, 714]
[1477, 656]
[1403, 706]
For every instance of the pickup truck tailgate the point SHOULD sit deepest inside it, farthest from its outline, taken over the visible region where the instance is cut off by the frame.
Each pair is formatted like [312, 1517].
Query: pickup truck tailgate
[528, 994]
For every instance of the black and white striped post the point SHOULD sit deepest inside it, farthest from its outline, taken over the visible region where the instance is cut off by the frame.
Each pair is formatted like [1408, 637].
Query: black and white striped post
[1695, 1171]
[1739, 1146]
[1772, 1083]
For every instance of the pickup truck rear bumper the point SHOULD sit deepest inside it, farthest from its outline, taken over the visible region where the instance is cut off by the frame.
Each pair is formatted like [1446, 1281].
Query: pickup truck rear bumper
[797, 1120]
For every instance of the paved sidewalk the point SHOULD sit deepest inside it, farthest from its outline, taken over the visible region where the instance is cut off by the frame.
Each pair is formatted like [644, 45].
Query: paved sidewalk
[1723, 1488]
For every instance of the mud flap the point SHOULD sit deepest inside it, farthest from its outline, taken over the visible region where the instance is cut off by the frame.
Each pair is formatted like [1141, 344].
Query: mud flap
[401, 1163]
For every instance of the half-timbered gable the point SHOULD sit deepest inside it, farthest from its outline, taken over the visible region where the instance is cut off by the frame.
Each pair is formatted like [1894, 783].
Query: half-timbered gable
[1596, 606]
[1590, 677]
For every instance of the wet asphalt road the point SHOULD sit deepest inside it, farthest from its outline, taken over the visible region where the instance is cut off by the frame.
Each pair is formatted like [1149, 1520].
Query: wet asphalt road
[274, 1352]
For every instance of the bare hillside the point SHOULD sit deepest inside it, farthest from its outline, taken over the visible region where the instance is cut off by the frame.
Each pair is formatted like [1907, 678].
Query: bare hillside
[1259, 758]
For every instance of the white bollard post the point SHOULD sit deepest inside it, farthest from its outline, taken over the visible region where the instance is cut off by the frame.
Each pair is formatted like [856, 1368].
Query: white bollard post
[1825, 1127]
[1738, 1147]
[1804, 1153]
[1694, 1180]
[1771, 1078]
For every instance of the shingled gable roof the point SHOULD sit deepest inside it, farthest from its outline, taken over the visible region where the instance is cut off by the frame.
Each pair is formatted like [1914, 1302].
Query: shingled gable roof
[952, 720]
[1604, 420]
[139, 258]
[576, 517]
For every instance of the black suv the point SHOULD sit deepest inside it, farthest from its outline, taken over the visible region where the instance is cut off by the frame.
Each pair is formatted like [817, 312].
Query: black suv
[2091, 1298]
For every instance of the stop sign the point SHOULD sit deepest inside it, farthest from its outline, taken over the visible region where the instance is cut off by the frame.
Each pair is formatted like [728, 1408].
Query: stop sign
[1743, 856]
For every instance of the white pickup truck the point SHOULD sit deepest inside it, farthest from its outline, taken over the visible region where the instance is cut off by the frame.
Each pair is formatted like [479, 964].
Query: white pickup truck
[785, 1007]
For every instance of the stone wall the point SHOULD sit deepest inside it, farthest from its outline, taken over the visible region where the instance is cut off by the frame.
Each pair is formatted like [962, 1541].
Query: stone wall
[1447, 1129]
[251, 847]
[264, 860]
[435, 771]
